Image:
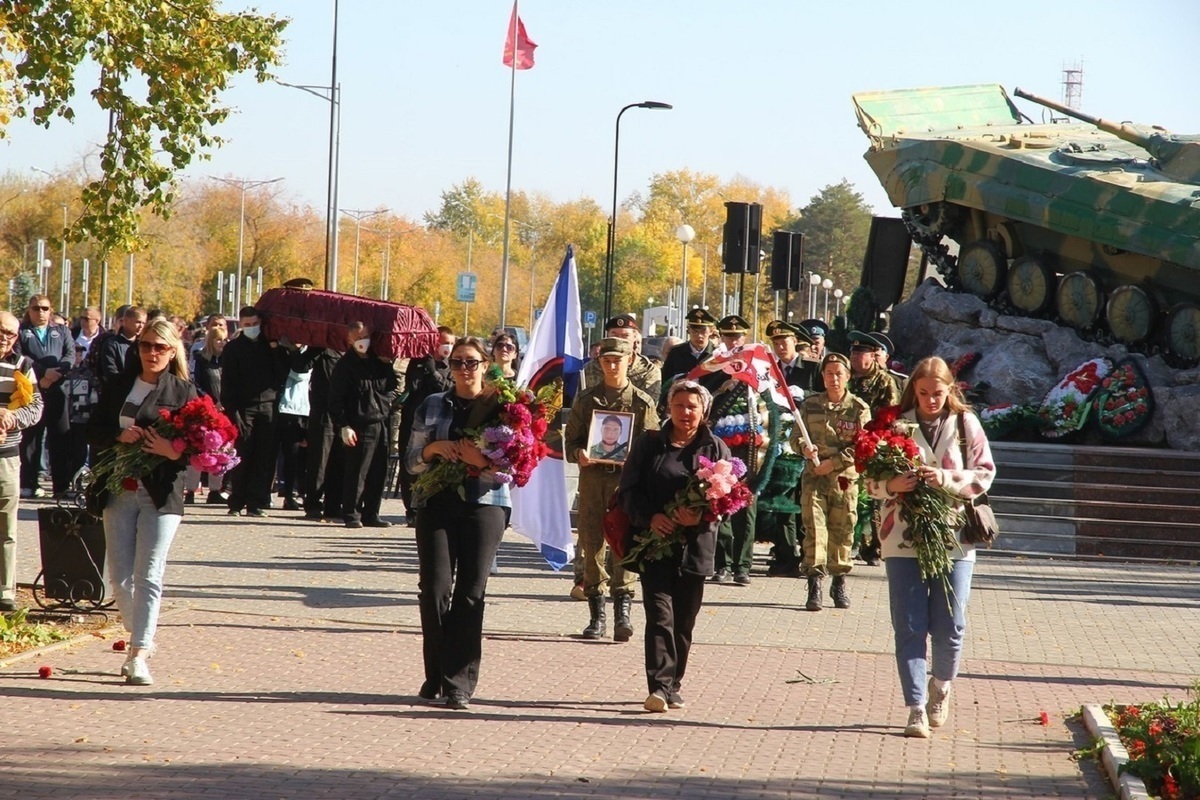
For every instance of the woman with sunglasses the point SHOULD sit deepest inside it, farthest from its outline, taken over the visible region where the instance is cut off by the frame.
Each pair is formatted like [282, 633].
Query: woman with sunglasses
[457, 535]
[139, 524]
[505, 354]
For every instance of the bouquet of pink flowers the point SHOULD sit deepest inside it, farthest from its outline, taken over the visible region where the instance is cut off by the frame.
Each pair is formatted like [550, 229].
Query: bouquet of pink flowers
[199, 431]
[716, 491]
[514, 444]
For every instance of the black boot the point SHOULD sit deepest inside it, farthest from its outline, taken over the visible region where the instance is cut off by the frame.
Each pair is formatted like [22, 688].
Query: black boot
[814, 593]
[841, 598]
[597, 627]
[622, 626]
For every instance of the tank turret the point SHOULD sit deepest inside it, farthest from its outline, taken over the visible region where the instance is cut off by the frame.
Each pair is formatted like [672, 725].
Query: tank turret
[1093, 224]
[1176, 156]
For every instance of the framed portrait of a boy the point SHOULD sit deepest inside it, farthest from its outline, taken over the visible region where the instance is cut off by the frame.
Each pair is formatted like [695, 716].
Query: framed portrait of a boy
[609, 435]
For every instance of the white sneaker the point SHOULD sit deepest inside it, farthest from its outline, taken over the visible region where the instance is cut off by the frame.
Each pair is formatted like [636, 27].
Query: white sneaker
[139, 673]
[918, 725]
[938, 705]
[127, 665]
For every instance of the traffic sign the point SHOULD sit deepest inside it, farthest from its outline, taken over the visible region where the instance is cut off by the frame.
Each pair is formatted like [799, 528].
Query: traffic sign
[466, 287]
[589, 319]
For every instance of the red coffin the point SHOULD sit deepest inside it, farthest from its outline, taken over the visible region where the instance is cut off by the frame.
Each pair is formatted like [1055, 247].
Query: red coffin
[319, 319]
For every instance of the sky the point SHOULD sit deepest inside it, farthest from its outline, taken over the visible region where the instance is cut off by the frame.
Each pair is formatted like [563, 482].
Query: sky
[760, 88]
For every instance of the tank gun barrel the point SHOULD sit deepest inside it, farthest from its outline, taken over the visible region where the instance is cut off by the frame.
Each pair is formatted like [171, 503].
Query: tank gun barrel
[1118, 129]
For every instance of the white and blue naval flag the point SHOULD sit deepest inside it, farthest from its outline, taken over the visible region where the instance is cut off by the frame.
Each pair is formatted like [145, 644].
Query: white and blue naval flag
[541, 510]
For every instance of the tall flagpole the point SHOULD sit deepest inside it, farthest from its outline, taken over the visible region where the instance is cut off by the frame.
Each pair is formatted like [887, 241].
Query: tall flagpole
[512, 102]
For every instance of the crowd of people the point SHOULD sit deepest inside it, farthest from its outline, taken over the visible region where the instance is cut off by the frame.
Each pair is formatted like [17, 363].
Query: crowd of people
[316, 427]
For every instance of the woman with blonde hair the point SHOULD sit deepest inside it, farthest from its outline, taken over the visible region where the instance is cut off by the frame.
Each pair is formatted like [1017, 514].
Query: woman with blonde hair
[955, 457]
[140, 523]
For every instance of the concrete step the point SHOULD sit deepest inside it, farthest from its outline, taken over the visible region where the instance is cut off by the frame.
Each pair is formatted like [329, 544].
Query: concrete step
[1005, 486]
[1099, 509]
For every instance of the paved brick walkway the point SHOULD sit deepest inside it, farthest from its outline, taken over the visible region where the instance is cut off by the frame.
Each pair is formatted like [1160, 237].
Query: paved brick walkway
[290, 659]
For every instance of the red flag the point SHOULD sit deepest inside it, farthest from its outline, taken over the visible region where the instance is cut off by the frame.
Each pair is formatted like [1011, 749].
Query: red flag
[523, 48]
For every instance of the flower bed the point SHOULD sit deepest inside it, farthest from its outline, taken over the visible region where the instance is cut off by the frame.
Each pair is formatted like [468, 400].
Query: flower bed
[1159, 744]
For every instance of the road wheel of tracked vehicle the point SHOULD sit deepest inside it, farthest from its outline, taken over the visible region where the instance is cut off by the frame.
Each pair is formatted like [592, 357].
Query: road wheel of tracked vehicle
[1131, 314]
[1031, 284]
[1079, 300]
[1183, 331]
[981, 267]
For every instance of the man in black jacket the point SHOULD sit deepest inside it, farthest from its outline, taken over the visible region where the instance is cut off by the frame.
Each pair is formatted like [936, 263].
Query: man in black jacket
[324, 468]
[253, 371]
[112, 355]
[52, 351]
[360, 399]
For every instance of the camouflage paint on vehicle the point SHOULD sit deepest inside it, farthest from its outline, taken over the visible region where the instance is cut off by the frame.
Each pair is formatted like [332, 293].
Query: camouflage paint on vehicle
[1097, 225]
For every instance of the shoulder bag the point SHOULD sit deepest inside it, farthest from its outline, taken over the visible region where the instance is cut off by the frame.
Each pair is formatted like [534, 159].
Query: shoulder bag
[979, 521]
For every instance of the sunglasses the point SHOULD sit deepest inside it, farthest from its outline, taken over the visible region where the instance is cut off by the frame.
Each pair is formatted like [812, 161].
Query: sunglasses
[155, 347]
[39, 308]
[470, 364]
[504, 346]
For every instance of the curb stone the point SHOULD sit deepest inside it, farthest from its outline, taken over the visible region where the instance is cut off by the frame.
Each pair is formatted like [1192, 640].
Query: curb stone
[1113, 754]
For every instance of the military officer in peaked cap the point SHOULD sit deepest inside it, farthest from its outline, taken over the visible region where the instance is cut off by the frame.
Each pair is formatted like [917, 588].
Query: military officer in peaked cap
[698, 347]
[818, 329]
[883, 355]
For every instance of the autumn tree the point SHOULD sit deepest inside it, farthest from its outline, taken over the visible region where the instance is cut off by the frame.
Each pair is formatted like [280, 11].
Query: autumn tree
[163, 66]
[836, 223]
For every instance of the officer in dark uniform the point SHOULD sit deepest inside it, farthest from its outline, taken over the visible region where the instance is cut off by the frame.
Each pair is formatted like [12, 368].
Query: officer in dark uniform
[779, 528]
[883, 355]
[699, 347]
[818, 329]
[735, 537]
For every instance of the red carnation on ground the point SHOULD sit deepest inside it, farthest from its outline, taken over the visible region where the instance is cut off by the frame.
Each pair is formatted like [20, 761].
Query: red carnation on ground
[119, 645]
[45, 671]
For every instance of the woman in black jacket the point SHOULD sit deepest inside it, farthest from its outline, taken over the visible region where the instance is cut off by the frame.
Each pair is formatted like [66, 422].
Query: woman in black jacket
[140, 523]
[660, 465]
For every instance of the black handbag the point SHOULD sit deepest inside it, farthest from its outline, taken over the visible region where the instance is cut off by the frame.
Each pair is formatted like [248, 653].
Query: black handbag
[979, 521]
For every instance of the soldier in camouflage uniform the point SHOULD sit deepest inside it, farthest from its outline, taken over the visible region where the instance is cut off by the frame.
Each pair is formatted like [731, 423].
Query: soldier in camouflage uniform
[829, 490]
[598, 481]
[875, 386]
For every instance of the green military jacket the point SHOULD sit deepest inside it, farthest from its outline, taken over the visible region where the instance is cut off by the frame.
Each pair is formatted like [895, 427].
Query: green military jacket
[877, 388]
[631, 400]
[832, 427]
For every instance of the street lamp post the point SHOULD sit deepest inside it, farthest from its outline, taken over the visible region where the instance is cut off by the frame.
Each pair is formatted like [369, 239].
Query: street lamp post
[358, 215]
[685, 234]
[814, 280]
[243, 184]
[837, 302]
[612, 222]
[826, 284]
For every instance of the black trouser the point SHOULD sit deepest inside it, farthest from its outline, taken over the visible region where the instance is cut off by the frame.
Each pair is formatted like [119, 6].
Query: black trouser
[456, 543]
[672, 601]
[781, 529]
[253, 478]
[323, 473]
[51, 432]
[406, 479]
[735, 540]
[292, 436]
[365, 473]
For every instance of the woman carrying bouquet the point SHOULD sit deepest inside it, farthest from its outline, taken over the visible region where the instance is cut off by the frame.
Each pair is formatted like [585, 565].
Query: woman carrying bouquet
[932, 608]
[140, 523]
[660, 466]
[457, 535]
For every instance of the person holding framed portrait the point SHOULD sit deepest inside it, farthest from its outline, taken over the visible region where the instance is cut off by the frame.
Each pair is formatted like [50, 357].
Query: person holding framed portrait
[604, 419]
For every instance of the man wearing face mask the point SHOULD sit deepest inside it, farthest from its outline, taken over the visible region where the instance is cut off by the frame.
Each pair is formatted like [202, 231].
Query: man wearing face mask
[253, 372]
[360, 399]
[425, 376]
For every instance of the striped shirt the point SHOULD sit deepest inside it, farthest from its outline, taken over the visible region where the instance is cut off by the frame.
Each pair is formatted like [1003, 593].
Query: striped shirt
[26, 416]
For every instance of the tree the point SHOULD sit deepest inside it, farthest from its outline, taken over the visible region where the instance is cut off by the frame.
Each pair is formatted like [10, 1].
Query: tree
[163, 65]
[835, 223]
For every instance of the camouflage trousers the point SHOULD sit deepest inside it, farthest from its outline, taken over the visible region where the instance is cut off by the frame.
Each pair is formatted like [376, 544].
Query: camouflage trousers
[830, 513]
[596, 485]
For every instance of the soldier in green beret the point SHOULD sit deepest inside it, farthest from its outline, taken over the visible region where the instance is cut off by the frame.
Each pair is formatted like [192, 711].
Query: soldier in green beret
[598, 480]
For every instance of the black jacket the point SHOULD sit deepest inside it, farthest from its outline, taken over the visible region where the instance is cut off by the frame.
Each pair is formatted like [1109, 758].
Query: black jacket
[165, 482]
[114, 357]
[252, 373]
[361, 391]
[57, 353]
[653, 475]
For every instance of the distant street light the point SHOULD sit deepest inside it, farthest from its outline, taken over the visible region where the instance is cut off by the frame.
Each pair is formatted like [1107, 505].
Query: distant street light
[814, 280]
[358, 216]
[837, 302]
[685, 234]
[826, 284]
[243, 184]
[612, 222]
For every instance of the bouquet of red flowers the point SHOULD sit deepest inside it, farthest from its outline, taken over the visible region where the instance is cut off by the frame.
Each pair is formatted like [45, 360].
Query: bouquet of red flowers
[514, 444]
[199, 431]
[883, 449]
[716, 490]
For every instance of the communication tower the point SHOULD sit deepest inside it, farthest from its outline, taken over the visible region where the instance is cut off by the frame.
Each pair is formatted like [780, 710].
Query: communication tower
[1072, 88]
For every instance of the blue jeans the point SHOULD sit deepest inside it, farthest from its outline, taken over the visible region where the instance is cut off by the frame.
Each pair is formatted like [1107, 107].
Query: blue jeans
[921, 609]
[137, 537]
